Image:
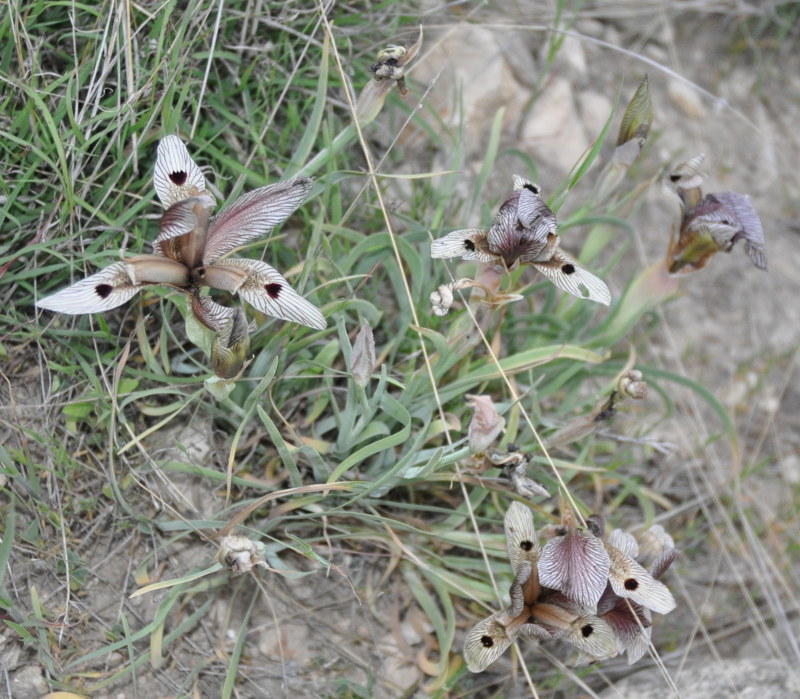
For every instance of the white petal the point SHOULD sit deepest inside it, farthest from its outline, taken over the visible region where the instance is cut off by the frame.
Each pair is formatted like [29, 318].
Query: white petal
[103, 291]
[521, 536]
[266, 290]
[630, 580]
[624, 542]
[569, 276]
[176, 176]
[468, 244]
[254, 214]
[485, 643]
[594, 637]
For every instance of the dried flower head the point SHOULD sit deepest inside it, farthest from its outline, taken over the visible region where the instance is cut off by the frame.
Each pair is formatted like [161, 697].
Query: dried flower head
[188, 250]
[388, 70]
[524, 231]
[241, 554]
[711, 223]
[486, 424]
[545, 604]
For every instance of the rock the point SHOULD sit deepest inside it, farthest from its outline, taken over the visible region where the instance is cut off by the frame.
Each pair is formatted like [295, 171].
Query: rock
[476, 74]
[28, 683]
[553, 133]
[751, 678]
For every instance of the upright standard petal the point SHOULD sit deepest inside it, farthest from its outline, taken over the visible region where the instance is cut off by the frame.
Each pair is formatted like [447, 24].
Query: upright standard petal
[521, 536]
[103, 291]
[263, 288]
[565, 272]
[468, 244]
[575, 563]
[183, 230]
[176, 176]
[254, 214]
[513, 240]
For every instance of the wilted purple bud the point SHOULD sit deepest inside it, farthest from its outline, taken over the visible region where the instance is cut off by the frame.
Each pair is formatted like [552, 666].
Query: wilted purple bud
[362, 358]
[486, 424]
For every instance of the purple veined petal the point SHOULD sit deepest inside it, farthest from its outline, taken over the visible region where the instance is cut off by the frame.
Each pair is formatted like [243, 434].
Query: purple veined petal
[511, 240]
[254, 214]
[624, 542]
[486, 642]
[521, 536]
[266, 290]
[468, 244]
[630, 580]
[565, 272]
[176, 175]
[631, 625]
[749, 224]
[576, 564]
[107, 289]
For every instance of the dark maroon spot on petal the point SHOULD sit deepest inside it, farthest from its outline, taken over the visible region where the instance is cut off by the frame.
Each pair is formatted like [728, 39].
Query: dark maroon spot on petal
[103, 290]
[178, 178]
[674, 178]
[587, 630]
[526, 545]
[568, 269]
[487, 641]
[631, 584]
[532, 188]
[469, 245]
[561, 531]
[273, 290]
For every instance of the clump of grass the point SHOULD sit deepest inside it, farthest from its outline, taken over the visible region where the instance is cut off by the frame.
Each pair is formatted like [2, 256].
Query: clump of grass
[367, 475]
